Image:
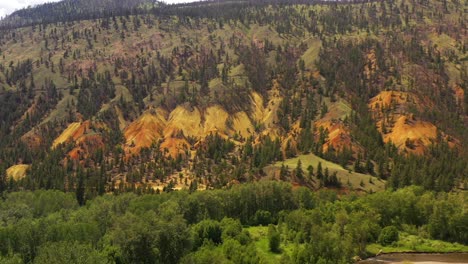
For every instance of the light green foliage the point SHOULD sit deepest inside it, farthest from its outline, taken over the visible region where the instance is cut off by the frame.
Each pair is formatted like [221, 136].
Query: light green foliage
[206, 255]
[11, 260]
[232, 228]
[39, 203]
[68, 252]
[416, 243]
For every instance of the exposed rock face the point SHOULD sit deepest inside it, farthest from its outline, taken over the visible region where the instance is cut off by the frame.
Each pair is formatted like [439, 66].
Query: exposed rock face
[393, 118]
[17, 172]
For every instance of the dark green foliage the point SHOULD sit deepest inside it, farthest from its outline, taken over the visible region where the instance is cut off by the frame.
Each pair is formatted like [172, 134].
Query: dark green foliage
[331, 180]
[299, 170]
[216, 148]
[267, 152]
[146, 238]
[80, 189]
[274, 239]
[93, 93]
[231, 227]
[19, 72]
[388, 235]
[263, 218]
[70, 11]
[163, 228]
[254, 61]
[207, 231]
[36, 204]
[12, 107]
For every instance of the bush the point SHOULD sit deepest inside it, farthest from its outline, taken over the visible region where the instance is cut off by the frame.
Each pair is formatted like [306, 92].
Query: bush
[274, 239]
[388, 235]
[208, 230]
[262, 218]
[231, 228]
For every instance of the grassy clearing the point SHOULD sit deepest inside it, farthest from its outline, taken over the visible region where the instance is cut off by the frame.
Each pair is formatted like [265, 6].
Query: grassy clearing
[259, 33]
[311, 55]
[61, 110]
[348, 178]
[260, 236]
[337, 110]
[407, 244]
[453, 73]
[237, 70]
[215, 84]
[443, 41]
[412, 243]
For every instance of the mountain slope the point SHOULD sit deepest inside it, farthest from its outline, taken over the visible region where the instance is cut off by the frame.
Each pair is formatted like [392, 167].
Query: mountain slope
[172, 95]
[72, 10]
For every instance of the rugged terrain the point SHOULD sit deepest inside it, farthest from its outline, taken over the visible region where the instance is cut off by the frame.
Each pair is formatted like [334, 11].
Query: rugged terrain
[155, 97]
[255, 131]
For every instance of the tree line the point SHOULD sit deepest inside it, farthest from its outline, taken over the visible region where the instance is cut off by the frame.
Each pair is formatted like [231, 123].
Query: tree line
[179, 227]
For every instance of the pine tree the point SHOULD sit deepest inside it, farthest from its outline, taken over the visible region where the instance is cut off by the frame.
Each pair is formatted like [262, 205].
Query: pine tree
[80, 189]
[310, 170]
[274, 239]
[319, 171]
[283, 172]
[299, 171]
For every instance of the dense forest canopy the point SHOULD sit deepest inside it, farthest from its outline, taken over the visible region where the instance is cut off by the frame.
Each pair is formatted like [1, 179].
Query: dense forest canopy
[75, 10]
[212, 226]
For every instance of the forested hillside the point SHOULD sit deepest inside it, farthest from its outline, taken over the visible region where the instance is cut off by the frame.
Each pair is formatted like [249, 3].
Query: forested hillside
[99, 97]
[267, 131]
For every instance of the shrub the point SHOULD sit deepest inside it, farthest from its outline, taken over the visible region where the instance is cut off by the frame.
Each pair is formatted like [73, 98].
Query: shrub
[388, 235]
[274, 239]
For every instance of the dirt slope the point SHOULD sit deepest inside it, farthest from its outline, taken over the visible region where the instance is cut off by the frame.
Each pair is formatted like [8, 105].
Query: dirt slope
[391, 111]
[17, 172]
